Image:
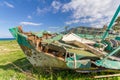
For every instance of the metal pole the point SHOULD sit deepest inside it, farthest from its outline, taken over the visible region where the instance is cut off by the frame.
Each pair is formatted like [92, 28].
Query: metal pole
[111, 23]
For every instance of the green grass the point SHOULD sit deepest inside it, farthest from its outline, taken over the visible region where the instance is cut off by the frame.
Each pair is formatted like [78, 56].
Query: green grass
[15, 66]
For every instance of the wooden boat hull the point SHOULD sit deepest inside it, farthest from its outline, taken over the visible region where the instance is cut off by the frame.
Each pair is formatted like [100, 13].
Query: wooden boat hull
[72, 59]
[42, 59]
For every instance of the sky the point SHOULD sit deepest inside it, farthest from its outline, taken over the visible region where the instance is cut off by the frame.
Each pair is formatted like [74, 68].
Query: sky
[53, 15]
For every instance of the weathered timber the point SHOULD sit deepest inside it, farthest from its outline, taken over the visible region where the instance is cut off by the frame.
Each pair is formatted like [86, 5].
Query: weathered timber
[87, 47]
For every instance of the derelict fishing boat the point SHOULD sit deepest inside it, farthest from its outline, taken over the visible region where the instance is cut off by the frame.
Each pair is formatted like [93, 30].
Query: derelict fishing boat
[69, 51]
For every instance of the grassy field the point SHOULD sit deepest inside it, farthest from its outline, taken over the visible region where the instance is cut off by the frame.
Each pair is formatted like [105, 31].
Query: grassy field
[15, 66]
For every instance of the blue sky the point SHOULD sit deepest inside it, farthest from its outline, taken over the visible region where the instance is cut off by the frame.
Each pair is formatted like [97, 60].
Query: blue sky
[53, 15]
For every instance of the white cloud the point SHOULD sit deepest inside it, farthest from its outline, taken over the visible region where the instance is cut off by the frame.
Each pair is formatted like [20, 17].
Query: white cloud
[42, 11]
[29, 17]
[8, 4]
[91, 11]
[72, 22]
[30, 23]
[56, 5]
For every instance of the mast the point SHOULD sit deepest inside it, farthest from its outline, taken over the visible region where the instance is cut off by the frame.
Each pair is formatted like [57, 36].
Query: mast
[111, 23]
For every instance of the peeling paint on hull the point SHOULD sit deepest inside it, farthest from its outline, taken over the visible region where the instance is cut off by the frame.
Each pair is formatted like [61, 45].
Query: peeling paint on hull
[42, 59]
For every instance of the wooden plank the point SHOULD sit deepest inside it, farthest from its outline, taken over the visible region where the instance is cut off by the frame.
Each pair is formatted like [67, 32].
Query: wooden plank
[105, 76]
[90, 48]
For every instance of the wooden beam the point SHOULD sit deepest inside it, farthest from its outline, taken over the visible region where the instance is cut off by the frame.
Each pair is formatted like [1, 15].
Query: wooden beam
[105, 76]
[90, 48]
